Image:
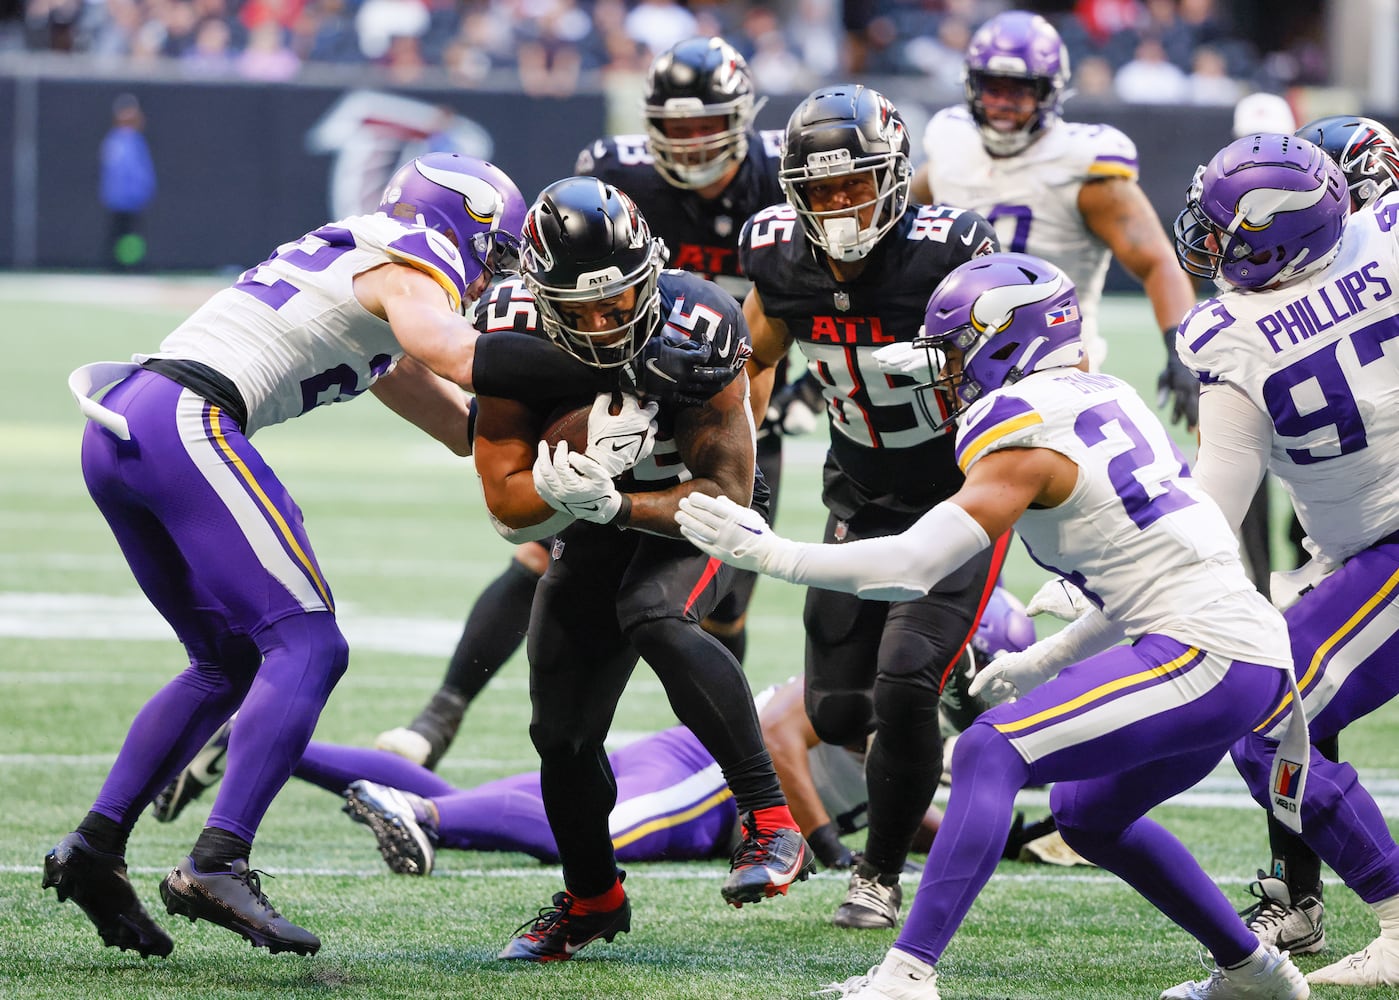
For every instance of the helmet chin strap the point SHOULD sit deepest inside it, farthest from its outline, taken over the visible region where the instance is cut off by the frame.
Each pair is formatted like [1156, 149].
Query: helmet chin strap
[843, 239]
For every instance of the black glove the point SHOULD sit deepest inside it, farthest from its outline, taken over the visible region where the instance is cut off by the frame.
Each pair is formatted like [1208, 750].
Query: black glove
[1021, 834]
[795, 408]
[1179, 385]
[676, 369]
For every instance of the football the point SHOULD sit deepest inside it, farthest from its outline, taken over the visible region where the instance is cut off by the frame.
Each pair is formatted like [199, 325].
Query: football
[568, 422]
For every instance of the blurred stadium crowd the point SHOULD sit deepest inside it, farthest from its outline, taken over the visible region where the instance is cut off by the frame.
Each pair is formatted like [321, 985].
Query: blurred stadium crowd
[1162, 51]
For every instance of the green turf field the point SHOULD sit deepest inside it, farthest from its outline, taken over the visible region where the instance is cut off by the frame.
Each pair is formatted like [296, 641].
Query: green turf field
[400, 530]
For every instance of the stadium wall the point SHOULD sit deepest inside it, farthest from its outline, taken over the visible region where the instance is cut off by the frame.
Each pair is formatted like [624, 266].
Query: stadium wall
[242, 166]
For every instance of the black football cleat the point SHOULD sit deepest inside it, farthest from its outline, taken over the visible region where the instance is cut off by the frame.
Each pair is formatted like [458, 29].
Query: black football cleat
[766, 863]
[234, 899]
[557, 934]
[97, 882]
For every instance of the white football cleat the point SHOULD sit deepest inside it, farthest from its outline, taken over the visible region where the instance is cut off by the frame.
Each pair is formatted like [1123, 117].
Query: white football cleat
[1377, 964]
[1273, 977]
[1296, 928]
[899, 977]
[406, 743]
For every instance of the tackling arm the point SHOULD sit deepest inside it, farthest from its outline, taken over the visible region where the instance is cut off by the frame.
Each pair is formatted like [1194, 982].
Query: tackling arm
[431, 403]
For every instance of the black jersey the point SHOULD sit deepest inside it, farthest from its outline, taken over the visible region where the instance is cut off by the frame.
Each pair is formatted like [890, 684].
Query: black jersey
[690, 307]
[702, 235]
[885, 433]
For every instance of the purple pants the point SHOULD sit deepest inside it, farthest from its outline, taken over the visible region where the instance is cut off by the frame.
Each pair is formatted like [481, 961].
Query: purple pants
[672, 802]
[1120, 733]
[217, 545]
[1345, 648]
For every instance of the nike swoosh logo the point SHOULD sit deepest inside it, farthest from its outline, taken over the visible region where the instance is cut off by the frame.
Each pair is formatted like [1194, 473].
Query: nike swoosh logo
[654, 369]
[621, 445]
[970, 235]
[752, 531]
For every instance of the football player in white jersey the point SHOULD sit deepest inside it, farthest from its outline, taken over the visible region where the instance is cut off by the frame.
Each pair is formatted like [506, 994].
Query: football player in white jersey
[1064, 191]
[1300, 378]
[217, 543]
[1087, 476]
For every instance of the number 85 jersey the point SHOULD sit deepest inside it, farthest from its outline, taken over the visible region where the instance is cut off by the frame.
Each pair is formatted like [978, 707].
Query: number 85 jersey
[1321, 358]
[290, 333]
[875, 418]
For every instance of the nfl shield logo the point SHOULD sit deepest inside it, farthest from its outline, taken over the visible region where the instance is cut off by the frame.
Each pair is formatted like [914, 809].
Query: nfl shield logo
[842, 530]
[842, 301]
[723, 225]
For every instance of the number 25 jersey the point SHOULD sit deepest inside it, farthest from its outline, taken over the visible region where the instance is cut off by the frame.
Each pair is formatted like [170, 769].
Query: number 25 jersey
[1137, 534]
[290, 333]
[1321, 358]
[886, 434]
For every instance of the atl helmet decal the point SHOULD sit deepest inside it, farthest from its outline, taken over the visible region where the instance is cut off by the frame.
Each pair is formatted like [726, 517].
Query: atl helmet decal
[481, 201]
[1369, 153]
[994, 309]
[536, 240]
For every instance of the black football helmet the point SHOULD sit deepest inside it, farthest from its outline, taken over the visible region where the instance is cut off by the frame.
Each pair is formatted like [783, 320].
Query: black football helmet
[1366, 152]
[585, 241]
[698, 78]
[840, 130]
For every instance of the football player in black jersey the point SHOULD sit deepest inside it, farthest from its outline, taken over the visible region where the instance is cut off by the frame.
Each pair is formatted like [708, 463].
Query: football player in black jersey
[843, 267]
[621, 583]
[700, 170]
[697, 173]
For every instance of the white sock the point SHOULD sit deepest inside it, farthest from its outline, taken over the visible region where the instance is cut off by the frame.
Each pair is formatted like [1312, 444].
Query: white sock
[1388, 912]
[905, 966]
[1253, 963]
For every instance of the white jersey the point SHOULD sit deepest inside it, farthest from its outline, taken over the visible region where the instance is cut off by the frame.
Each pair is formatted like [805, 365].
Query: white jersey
[1321, 358]
[839, 777]
[290, 333]
[1137, 534]
[1032, 197]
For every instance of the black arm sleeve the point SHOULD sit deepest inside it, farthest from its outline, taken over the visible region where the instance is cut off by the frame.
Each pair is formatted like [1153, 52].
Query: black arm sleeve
[530, 369]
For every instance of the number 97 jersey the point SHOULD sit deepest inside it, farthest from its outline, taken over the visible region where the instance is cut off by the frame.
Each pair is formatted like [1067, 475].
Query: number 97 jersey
[1321, 358]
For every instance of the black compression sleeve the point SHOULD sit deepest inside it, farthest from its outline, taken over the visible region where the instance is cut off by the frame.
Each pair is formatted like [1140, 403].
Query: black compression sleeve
[529, 369]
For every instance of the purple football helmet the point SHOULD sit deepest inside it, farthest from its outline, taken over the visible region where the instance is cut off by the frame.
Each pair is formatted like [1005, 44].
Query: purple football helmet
[1004, 626]
[1267, 209]
[471, 202]
[1020, 46]
[1366, 152]
[1010, 314]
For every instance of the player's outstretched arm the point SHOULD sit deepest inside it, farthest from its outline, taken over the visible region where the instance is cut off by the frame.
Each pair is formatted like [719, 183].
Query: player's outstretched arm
[418, 395]
[789, 735]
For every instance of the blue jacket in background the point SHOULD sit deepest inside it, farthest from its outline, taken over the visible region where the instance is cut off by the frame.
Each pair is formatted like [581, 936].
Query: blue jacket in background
[128, 175]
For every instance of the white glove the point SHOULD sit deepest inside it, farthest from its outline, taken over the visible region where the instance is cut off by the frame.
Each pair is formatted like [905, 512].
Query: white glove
[723, 529]
[1060, 599]
[793, 417]
[576, 485]
[920, 363]
[618, 442]
[1012, 674]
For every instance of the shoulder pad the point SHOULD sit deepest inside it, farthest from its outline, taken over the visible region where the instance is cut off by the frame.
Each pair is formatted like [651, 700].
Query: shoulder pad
[999, 420]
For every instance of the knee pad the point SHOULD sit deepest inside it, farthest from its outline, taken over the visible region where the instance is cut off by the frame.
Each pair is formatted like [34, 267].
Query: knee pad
[844, 718]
